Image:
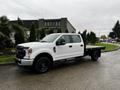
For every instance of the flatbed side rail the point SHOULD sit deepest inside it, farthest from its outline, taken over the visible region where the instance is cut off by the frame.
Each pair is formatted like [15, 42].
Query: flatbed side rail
[95, 47]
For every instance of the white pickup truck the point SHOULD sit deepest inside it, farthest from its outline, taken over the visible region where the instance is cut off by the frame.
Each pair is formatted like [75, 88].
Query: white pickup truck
[54, 47]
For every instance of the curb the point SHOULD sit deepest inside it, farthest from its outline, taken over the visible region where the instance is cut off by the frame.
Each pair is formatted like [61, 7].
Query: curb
[9, 63]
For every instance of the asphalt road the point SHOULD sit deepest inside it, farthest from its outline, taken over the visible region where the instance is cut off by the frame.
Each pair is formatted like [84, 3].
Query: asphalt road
[80, 75]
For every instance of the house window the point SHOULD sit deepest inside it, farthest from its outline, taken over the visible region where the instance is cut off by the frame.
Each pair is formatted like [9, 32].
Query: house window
[44, 23]
[58, 23]
[48, 24]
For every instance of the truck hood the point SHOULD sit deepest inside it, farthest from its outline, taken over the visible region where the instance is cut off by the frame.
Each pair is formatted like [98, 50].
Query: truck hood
[36, 44]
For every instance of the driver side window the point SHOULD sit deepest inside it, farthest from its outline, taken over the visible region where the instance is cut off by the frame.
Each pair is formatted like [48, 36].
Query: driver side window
[66, 38]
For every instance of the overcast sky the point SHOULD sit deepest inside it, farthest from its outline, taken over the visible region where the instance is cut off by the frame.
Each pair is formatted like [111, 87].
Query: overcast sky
[96, 15]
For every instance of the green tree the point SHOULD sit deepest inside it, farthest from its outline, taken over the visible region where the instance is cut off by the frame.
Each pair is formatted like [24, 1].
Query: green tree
[2, 40]
[84, 36]
[66, 31]
[48, 31]
[91, 38]
[58, 31]
[19, 34]
[20, 22]
[4, 26]
[32, 33]
[40, 33]
[5, 31]
[88, 38]
[116, 29]
[112, 35]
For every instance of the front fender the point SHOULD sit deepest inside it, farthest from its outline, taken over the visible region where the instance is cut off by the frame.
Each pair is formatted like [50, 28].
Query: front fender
[37, 52]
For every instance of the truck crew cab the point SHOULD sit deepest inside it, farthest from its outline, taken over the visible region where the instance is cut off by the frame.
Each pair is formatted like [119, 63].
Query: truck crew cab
[53, 47]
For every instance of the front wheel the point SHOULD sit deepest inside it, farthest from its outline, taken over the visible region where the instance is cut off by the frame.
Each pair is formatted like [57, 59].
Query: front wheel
[42, 65]
[95, 55]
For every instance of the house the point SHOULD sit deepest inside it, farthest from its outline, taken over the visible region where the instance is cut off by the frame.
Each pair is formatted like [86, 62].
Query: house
[61, 25]
[57, 25]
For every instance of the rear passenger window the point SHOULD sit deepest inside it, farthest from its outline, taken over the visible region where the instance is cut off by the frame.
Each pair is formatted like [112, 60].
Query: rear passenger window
[75, 38]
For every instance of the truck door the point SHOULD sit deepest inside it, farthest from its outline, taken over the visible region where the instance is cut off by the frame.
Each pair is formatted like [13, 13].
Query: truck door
[77, 46]
[64, 51]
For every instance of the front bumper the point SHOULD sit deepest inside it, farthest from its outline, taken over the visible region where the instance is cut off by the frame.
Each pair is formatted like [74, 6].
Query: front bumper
[24, 62]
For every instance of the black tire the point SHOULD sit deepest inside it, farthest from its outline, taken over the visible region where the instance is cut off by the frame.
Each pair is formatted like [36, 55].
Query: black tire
[95, 55]
[42, 65]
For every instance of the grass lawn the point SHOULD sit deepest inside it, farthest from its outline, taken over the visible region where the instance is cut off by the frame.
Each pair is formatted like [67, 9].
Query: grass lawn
[7, 58]
[109, 47]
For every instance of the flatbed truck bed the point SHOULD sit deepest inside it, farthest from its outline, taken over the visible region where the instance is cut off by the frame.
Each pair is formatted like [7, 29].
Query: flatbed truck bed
[93, 51]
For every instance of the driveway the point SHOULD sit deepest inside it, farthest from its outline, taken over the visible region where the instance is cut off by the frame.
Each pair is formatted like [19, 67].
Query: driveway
[82, 74]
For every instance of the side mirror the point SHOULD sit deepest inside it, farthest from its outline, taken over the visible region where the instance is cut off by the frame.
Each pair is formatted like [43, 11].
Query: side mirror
[61, 42]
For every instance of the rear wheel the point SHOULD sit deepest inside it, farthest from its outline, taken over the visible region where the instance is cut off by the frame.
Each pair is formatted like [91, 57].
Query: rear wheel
[42, 65]
[95, 55]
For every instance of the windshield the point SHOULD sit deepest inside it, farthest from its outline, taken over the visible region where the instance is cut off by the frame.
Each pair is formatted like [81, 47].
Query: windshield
[50, 38]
